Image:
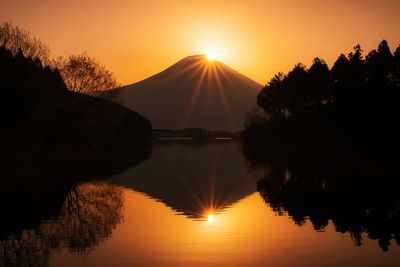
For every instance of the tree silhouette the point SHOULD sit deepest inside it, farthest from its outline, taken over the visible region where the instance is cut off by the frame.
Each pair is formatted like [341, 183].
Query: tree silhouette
[84, 74]
[14, 39]
[354, 102]
[320, 84]
[395, 71]
[268, 98]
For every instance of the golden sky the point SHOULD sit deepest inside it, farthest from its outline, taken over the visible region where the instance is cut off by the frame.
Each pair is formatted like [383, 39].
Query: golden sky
[136, 39]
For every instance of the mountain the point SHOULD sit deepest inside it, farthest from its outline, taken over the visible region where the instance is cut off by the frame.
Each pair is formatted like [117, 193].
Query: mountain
[194, 93]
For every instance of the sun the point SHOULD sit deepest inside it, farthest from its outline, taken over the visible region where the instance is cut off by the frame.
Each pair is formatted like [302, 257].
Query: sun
[211, 55]
[210, 218]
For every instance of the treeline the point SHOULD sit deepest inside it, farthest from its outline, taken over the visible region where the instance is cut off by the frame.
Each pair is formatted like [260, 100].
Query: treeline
[353, 103]
[47, 129]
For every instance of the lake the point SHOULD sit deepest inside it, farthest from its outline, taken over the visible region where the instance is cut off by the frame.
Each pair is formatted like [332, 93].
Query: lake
[210, 204]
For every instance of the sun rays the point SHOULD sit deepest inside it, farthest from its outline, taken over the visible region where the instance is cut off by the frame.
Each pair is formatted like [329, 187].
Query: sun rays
[210, 78]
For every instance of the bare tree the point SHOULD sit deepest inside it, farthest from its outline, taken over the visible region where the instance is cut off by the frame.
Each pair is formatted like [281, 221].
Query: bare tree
[15, 38]
[84, 74]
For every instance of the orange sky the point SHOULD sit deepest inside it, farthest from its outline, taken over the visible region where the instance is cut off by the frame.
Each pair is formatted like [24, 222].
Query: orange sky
[135, 39]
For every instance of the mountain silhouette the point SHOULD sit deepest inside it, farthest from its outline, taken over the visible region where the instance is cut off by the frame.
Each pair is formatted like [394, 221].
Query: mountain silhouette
[194, 93]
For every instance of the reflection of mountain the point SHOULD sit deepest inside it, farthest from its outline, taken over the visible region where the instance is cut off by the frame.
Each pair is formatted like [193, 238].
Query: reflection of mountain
[194, 92]
[192, 179]
[350, 194]
[88, 215]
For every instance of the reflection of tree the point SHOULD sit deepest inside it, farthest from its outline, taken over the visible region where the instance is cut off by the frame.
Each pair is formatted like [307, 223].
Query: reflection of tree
[89, 214]
[355, 203]
[27, 250]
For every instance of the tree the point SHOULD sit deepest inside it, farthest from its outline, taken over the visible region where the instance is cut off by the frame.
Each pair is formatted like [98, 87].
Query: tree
[295, 90]
[395, 72]
[268, 99]
[320, 84]
[356, 55]
[14, 39]
[356, 68]
[84, 74]
[379, 63]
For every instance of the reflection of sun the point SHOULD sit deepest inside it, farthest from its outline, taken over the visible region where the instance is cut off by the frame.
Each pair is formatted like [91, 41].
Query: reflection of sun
[211, 55]
[210, 218]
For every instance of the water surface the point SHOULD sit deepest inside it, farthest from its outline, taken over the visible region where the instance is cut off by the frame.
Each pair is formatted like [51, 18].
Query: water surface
[206, 205]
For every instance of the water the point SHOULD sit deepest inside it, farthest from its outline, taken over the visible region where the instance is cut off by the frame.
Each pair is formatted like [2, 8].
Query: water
[206, 205]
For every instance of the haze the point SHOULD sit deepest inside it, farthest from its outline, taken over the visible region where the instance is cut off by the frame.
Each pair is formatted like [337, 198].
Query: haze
[258, 38]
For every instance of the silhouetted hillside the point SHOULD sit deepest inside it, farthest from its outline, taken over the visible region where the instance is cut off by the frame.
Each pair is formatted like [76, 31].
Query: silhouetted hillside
[46, 129]
[194, 93]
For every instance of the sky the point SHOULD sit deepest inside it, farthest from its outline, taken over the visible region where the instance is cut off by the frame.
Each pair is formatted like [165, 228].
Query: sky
[136, 39]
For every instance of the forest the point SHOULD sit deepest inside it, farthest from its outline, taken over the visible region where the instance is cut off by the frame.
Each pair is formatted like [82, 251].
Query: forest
[352, 105]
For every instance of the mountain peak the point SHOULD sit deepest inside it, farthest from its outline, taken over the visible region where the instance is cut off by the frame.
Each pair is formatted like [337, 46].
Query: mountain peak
[199, 59]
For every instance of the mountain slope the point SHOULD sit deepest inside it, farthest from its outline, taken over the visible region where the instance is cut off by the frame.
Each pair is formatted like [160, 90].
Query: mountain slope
[194, 92]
